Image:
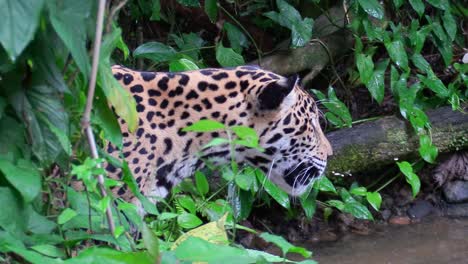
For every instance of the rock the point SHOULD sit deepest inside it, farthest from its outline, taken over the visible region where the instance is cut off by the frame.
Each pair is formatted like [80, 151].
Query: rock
[386, 214]
[399, 220]
[420, 209]
[457, 210]
[456, 191]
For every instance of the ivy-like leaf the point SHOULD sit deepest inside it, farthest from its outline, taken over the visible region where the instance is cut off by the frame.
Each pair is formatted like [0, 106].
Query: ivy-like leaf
[397, 53]
[227, 57]
[372, 7]
[410, 176]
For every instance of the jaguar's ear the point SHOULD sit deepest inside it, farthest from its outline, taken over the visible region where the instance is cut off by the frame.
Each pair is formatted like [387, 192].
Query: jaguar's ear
[272, 95]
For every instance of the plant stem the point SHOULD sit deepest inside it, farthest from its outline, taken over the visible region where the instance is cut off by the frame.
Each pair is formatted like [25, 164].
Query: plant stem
[86, 120]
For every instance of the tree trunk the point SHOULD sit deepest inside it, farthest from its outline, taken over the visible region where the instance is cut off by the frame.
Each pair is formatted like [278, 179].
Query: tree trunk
[373, 145]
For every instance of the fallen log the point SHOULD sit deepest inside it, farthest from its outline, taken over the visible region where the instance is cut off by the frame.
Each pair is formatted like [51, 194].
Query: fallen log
[373, 145]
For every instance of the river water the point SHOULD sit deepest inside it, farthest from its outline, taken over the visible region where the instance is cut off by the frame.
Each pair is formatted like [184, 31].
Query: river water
[436, 240]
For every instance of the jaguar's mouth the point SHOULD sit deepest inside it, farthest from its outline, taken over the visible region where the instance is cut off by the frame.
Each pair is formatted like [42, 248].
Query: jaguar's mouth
[301, 175]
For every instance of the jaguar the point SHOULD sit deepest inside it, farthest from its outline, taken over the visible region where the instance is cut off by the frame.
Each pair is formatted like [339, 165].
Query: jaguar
[160, 153]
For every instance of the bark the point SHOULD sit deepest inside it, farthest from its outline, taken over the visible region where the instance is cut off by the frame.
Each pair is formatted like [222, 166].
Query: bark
[373, 145]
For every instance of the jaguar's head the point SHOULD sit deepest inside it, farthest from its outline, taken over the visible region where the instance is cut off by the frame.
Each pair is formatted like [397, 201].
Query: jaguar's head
[296, 149]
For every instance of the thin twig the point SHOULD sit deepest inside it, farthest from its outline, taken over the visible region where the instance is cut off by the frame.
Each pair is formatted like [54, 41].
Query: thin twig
[85, 121]
[113, 12]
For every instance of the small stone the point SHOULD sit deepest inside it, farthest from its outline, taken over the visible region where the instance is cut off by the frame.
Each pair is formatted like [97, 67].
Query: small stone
[399, 220]
[456, 191]
[386, 214]
[420, 209]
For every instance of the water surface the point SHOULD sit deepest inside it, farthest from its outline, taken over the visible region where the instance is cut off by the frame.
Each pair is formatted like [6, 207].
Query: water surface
[432, 241]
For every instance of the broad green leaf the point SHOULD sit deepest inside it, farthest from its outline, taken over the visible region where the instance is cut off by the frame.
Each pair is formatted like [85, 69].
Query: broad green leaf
[376, 84]
[227, 57]
[155, 51]
[20, 20]
[189, 45]
[365, 67]
[435, 84]
[213, 232]
[418, 37]
[248, 135]
[450, 25]
[211, 9]
[372, 7]
[273, 190]
[156, 10]
[374, 199]
[95, 255]
[247, 200]
[106, 120]
[166, 216]
[360, 191]
[336, 203]
[204, 126]
[49, 250]
[289, 17]
[418, 119]
[420, 62]
[24, 176]
[188, 221]
[338, 110]
[150, 240]
[237, 39]
[309, 203]
[61, 136]
[13, 217]
[397, 53]
[69, 17]
[325, 185]
[66, 215]
[358, 210]
[426, 149]
[398, 3]
[195, 249]
[284, 245]
[410, 176]
[102, 204]
[187, 203]
[441, 4]
[182, 65]
[245, 180]
[202, 183]
[418, 6]
[118, 97]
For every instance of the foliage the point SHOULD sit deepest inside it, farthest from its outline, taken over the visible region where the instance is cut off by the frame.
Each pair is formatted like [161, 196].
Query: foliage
[404, 51]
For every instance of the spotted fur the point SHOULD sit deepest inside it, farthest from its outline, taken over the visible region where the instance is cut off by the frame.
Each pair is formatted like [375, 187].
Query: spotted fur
[160, 154]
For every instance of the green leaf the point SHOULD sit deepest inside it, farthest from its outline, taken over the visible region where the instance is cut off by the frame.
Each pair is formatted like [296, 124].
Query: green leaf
[227, 57]
[418, 6]
[358, 210]
[374, 199]
[61, 136]
[427, 151]
[49, 250]
[410, 176]
[182, 65]
[204, 126]
[365, 67]
[13, 217]
[273, 190]
[150, 240]
[122, 101]
[189, 3]
[216, 142]
[418, 37]
[237, 39]
[398, 3]
[397, 53]
[211, 9]
[248, 136]
[376, 85]
[360, 191]
[202, 183]
[372, 7]
[420, 62]
[289, 17]
[94, 255]
[102, 204]
[187, 203]
[20, 20]
[66, 215]
[435, 84]
[155, 51]
[441, 4]
[69, 17]
[309, 204]
[325, 185]
[450, 25]
[336, 203]
[338, 110]
[24, 176]
[284, 245]
[188, 221]
[245, 179]
[156, 10]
